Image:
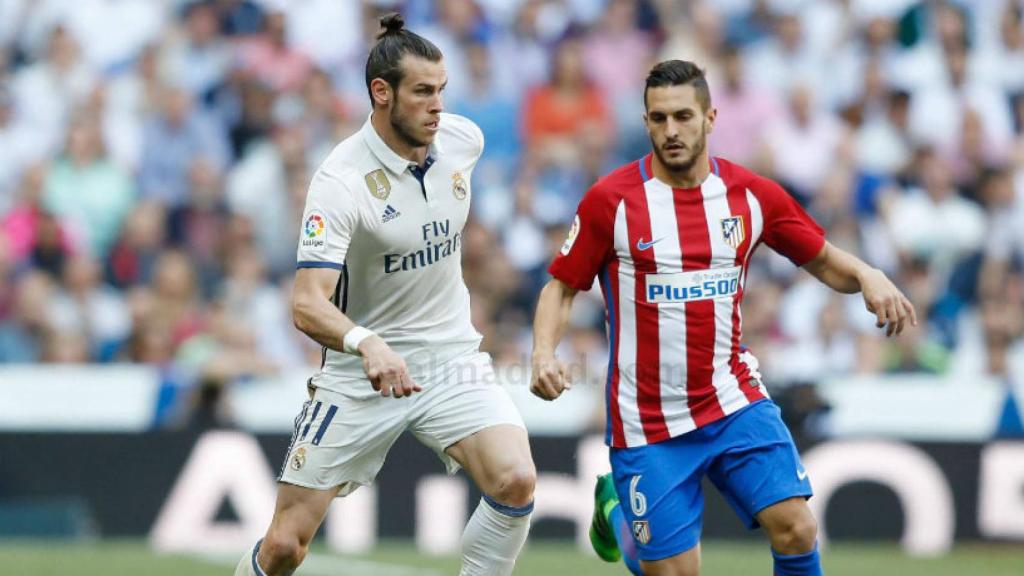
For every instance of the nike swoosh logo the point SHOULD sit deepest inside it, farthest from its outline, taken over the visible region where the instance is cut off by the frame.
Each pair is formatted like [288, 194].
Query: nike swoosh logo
[801, 474]
[641, 245]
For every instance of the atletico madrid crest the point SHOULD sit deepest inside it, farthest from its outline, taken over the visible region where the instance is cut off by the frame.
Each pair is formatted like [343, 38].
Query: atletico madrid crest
[732, 231]
[642, 531]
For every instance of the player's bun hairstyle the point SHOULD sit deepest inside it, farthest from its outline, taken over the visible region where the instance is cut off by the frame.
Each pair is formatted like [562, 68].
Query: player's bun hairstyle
[679, 73]
[394, 42]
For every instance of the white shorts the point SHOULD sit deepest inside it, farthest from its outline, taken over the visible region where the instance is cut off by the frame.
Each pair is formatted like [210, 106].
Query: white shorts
[341, 440]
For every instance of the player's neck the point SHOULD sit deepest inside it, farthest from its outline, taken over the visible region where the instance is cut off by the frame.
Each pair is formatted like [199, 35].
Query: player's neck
[398, 145]
[691, 178]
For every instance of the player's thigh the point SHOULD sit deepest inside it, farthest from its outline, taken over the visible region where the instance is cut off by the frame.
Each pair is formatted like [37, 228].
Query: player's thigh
[470, 421]
[757, 464]
[495, 456]
[685, 564]
[299, 511]
[342, 441]
[659, 488]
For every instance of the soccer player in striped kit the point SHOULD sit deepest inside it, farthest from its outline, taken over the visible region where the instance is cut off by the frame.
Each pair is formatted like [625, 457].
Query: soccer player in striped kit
[670, 237]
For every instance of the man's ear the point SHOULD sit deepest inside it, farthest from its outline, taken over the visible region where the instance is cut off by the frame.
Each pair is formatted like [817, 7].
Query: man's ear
[381, 91]
[710, 120]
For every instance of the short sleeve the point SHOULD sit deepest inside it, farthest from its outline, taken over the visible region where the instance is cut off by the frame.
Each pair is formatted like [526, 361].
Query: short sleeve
[788, 229]
[328, 223]
[589, 244]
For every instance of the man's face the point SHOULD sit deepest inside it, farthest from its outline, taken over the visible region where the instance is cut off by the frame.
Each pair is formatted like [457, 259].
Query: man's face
[678, 125]
[416, 109]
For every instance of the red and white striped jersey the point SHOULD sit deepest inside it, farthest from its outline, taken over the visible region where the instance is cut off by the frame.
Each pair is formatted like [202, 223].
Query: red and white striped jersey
[672, 265]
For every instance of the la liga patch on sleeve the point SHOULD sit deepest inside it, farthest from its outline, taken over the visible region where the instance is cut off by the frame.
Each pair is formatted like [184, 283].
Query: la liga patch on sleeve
[314, 231]
[571, 238]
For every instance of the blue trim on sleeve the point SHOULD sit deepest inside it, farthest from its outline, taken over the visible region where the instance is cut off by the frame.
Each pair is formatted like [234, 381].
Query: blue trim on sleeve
[714, 165]
[643, 170]
[316, 264]
[509, 510]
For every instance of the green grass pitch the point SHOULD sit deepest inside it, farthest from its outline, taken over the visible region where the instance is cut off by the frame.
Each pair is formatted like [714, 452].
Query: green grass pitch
[721, 558]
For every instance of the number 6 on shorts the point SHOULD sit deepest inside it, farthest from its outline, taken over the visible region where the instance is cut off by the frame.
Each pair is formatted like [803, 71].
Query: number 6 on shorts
[637, 500]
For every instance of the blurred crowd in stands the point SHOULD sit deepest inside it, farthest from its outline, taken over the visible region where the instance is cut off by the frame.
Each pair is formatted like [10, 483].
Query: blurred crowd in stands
[155, 154]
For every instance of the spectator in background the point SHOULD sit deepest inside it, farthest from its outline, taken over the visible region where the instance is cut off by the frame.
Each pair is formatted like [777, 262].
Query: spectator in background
[111, 32]
[618, 55]
[873, 46]
[257, 188]
[269, 58]
[784, 60]
[745, 112]
[456, 22]
[239, 18]
[173, 302]
[256, 102]
[256, 308]
[495, 112]
[132, 260]
[45, 94]
[131, 98]
[12, 162]
[567, 122]
[932, 221]
[199, 227]
[696, 36]
[34, 236]
[522, 49]
[328, 31]
[804, 144]
[88, 190]
[85, 306]
[325, 117]
[942, 100]
[173, 140]
[198, 60]
[882, 143]
[23, 330]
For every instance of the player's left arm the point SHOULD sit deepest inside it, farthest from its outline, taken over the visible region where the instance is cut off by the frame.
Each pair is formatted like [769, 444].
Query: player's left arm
[844, 272]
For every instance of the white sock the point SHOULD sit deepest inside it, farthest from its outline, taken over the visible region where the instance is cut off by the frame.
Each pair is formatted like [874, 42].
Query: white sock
[493, 538]
[247, 566]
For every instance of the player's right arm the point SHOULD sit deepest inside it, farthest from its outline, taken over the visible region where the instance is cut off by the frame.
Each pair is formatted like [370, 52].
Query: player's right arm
[330, 219]
[550, 377]
[587, 248]
[315, 315]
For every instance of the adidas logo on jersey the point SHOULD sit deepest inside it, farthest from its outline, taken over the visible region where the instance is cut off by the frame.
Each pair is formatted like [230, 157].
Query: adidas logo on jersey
[389, 214]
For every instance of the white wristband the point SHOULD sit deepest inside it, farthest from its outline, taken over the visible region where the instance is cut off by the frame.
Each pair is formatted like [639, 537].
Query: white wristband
[353, 337]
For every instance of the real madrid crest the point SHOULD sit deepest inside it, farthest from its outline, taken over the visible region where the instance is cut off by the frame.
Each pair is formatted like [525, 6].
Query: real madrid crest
[378, 184]
[299, 459]
[459, 187]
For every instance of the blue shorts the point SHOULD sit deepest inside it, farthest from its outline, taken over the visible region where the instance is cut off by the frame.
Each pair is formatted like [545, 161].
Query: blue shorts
[749, 456]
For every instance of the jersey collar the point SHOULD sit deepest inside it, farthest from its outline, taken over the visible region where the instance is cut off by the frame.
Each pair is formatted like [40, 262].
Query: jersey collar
[388, 157]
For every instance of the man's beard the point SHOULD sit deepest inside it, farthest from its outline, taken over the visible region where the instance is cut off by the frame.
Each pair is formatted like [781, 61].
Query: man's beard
[685, 165]
[400, 124]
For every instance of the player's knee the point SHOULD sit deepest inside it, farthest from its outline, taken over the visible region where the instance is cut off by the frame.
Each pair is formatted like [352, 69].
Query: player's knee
[796, 535]
[282, 552]
[515, 485]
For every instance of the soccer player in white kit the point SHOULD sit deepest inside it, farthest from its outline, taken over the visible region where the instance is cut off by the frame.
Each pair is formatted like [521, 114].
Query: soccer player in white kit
[379, 285]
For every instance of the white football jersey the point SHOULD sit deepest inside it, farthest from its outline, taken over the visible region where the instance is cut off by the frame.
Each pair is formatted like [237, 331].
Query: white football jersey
[395, 233]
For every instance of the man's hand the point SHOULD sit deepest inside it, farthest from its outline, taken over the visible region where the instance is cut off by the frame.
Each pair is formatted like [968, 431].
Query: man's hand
[886, 302]
[549, 377]
[386, 369]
